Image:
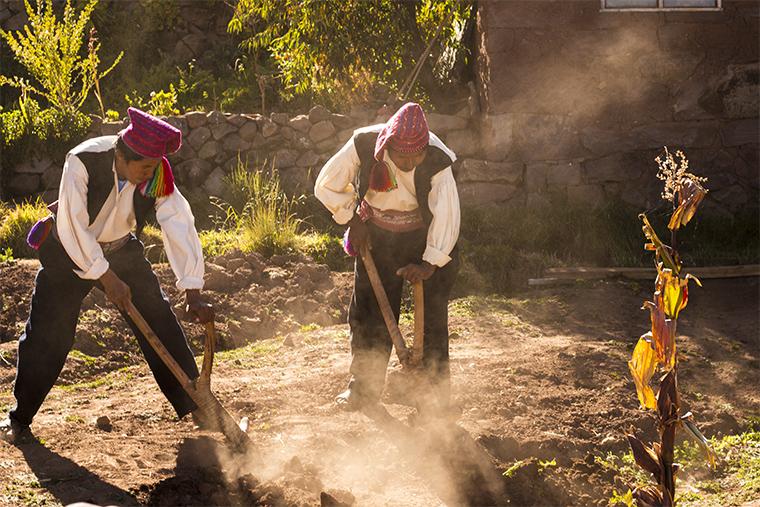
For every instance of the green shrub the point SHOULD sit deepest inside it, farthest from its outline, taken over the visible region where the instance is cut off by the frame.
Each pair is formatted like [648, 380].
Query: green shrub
[325, 249]
[52, 53]
[15, 223]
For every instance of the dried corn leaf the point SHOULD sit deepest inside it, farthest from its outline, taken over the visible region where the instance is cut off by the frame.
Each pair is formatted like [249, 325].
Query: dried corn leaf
[688, 422]
[642, 366]
[663, 251]
[663, 333]
[648, 496]
[690, 195]
[644, 456]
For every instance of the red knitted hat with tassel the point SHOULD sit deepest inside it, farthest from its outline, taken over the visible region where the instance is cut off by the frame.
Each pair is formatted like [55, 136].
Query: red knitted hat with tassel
[406, 131]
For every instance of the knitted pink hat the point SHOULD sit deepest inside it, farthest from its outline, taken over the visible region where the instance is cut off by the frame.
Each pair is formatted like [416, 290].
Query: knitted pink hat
[406, 131]
[150, 137]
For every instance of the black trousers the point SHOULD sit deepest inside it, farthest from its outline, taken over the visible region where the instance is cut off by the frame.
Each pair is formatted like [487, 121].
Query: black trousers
[49, 333]
[370, 341]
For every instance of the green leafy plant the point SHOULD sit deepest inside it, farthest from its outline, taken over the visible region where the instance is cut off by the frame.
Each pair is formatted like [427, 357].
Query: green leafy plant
[334, 50]
[51, 51]
[160, 103]
[15, 223]
[656, 349]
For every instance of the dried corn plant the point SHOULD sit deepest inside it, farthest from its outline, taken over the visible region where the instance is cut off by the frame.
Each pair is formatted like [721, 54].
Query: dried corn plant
[656, 349]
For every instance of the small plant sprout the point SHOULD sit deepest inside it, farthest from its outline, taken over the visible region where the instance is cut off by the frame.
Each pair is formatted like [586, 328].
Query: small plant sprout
[656, 349]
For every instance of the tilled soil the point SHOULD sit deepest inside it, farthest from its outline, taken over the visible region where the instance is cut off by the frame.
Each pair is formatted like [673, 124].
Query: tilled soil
[540, 377]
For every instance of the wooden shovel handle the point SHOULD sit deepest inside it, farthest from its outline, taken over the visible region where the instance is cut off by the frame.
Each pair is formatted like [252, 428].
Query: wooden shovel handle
[209, 347]
[419, 323]
[202, 397]
[385, 307]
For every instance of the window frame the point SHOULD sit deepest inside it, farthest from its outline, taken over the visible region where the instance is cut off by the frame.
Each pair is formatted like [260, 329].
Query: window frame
[661, 8]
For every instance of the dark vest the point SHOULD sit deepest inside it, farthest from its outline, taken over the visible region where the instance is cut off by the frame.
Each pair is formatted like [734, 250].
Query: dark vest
[436, 161]
[100, 184]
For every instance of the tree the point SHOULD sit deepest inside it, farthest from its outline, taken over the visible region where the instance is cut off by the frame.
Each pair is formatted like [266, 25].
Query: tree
[335, 50]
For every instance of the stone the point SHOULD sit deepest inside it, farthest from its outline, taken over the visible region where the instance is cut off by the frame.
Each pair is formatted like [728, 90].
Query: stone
[328, 146]
[23, 184]
[209, 150]
[215, 184]
[52, 177]
[248, 131]
[442, 123]
[33, 166]
[740, 91]
[478, 194]
[284, 158]
[497, 135]
[220, 130]
[344, 135]
[196, 119]
[179, 123]
[300, 123]
[739, 132]
[341, 121]
[216, 118]
[563, 174]
[234, 143]
[535, 177]
[195, 171]
[465, 143]
[280, 118]
[472, 170]
[16, 22]
[268, 128]
[318, 114]
[585, 193]
[259, 142]
[198, 137]
[237, 120]
[307, 159]
[622, 167]
[546, 137]
[287, 133]
[682, 134]
[321, 131]
[111, 128]
[733, 197]
[185, 152]
[104, 423]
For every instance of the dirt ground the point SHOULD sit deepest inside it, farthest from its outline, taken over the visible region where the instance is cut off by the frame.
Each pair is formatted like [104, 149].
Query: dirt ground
[541, 379]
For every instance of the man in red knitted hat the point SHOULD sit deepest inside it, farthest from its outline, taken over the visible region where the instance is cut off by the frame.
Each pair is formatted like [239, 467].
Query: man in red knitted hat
[393, 185]
[109, 188]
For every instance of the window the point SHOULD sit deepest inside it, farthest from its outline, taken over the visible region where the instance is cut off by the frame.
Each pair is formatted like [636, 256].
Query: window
[661, 5]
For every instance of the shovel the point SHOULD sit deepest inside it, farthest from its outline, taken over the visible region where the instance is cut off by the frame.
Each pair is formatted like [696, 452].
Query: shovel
[200, 390]
[408, 359]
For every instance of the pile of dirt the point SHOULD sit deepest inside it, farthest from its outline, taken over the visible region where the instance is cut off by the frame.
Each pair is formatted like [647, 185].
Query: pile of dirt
[255, 298]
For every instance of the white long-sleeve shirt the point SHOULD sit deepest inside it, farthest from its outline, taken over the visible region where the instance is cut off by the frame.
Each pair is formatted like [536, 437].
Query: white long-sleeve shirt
[116, 219]
[336, 188]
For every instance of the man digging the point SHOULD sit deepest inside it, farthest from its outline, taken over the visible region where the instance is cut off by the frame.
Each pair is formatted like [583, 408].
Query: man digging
[393, 185]
[109, 186]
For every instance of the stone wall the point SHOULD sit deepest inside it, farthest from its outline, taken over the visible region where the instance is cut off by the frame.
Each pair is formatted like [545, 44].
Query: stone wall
[579, 102]
[296, 145]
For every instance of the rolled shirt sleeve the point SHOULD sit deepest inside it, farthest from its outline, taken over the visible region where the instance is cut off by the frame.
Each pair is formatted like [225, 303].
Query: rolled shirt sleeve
[335, 184]
[443, 231]
[73, 220]
[181, 242]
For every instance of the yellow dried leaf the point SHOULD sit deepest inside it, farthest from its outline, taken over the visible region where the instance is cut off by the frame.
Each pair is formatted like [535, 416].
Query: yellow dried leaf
[690, 195]
[642, 366]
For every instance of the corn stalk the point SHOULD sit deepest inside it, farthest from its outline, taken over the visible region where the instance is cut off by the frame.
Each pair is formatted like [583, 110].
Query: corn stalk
[656, 349]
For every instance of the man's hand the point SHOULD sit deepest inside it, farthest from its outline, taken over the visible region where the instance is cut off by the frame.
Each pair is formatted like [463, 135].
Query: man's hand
[117, 291]
[197, 307]
[358, 234]
[416, 272]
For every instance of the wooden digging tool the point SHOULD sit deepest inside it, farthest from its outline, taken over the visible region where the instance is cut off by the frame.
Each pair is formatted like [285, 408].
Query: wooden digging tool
[405, 357]
[200, 394]
[209, 346]
[419, 324]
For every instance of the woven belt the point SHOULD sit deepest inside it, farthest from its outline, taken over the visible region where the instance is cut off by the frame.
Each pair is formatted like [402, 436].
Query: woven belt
[392, 220]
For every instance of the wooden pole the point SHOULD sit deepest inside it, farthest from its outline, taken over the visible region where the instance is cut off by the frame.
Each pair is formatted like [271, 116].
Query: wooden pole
[419, 323]
[204, 398]
[385, 307]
